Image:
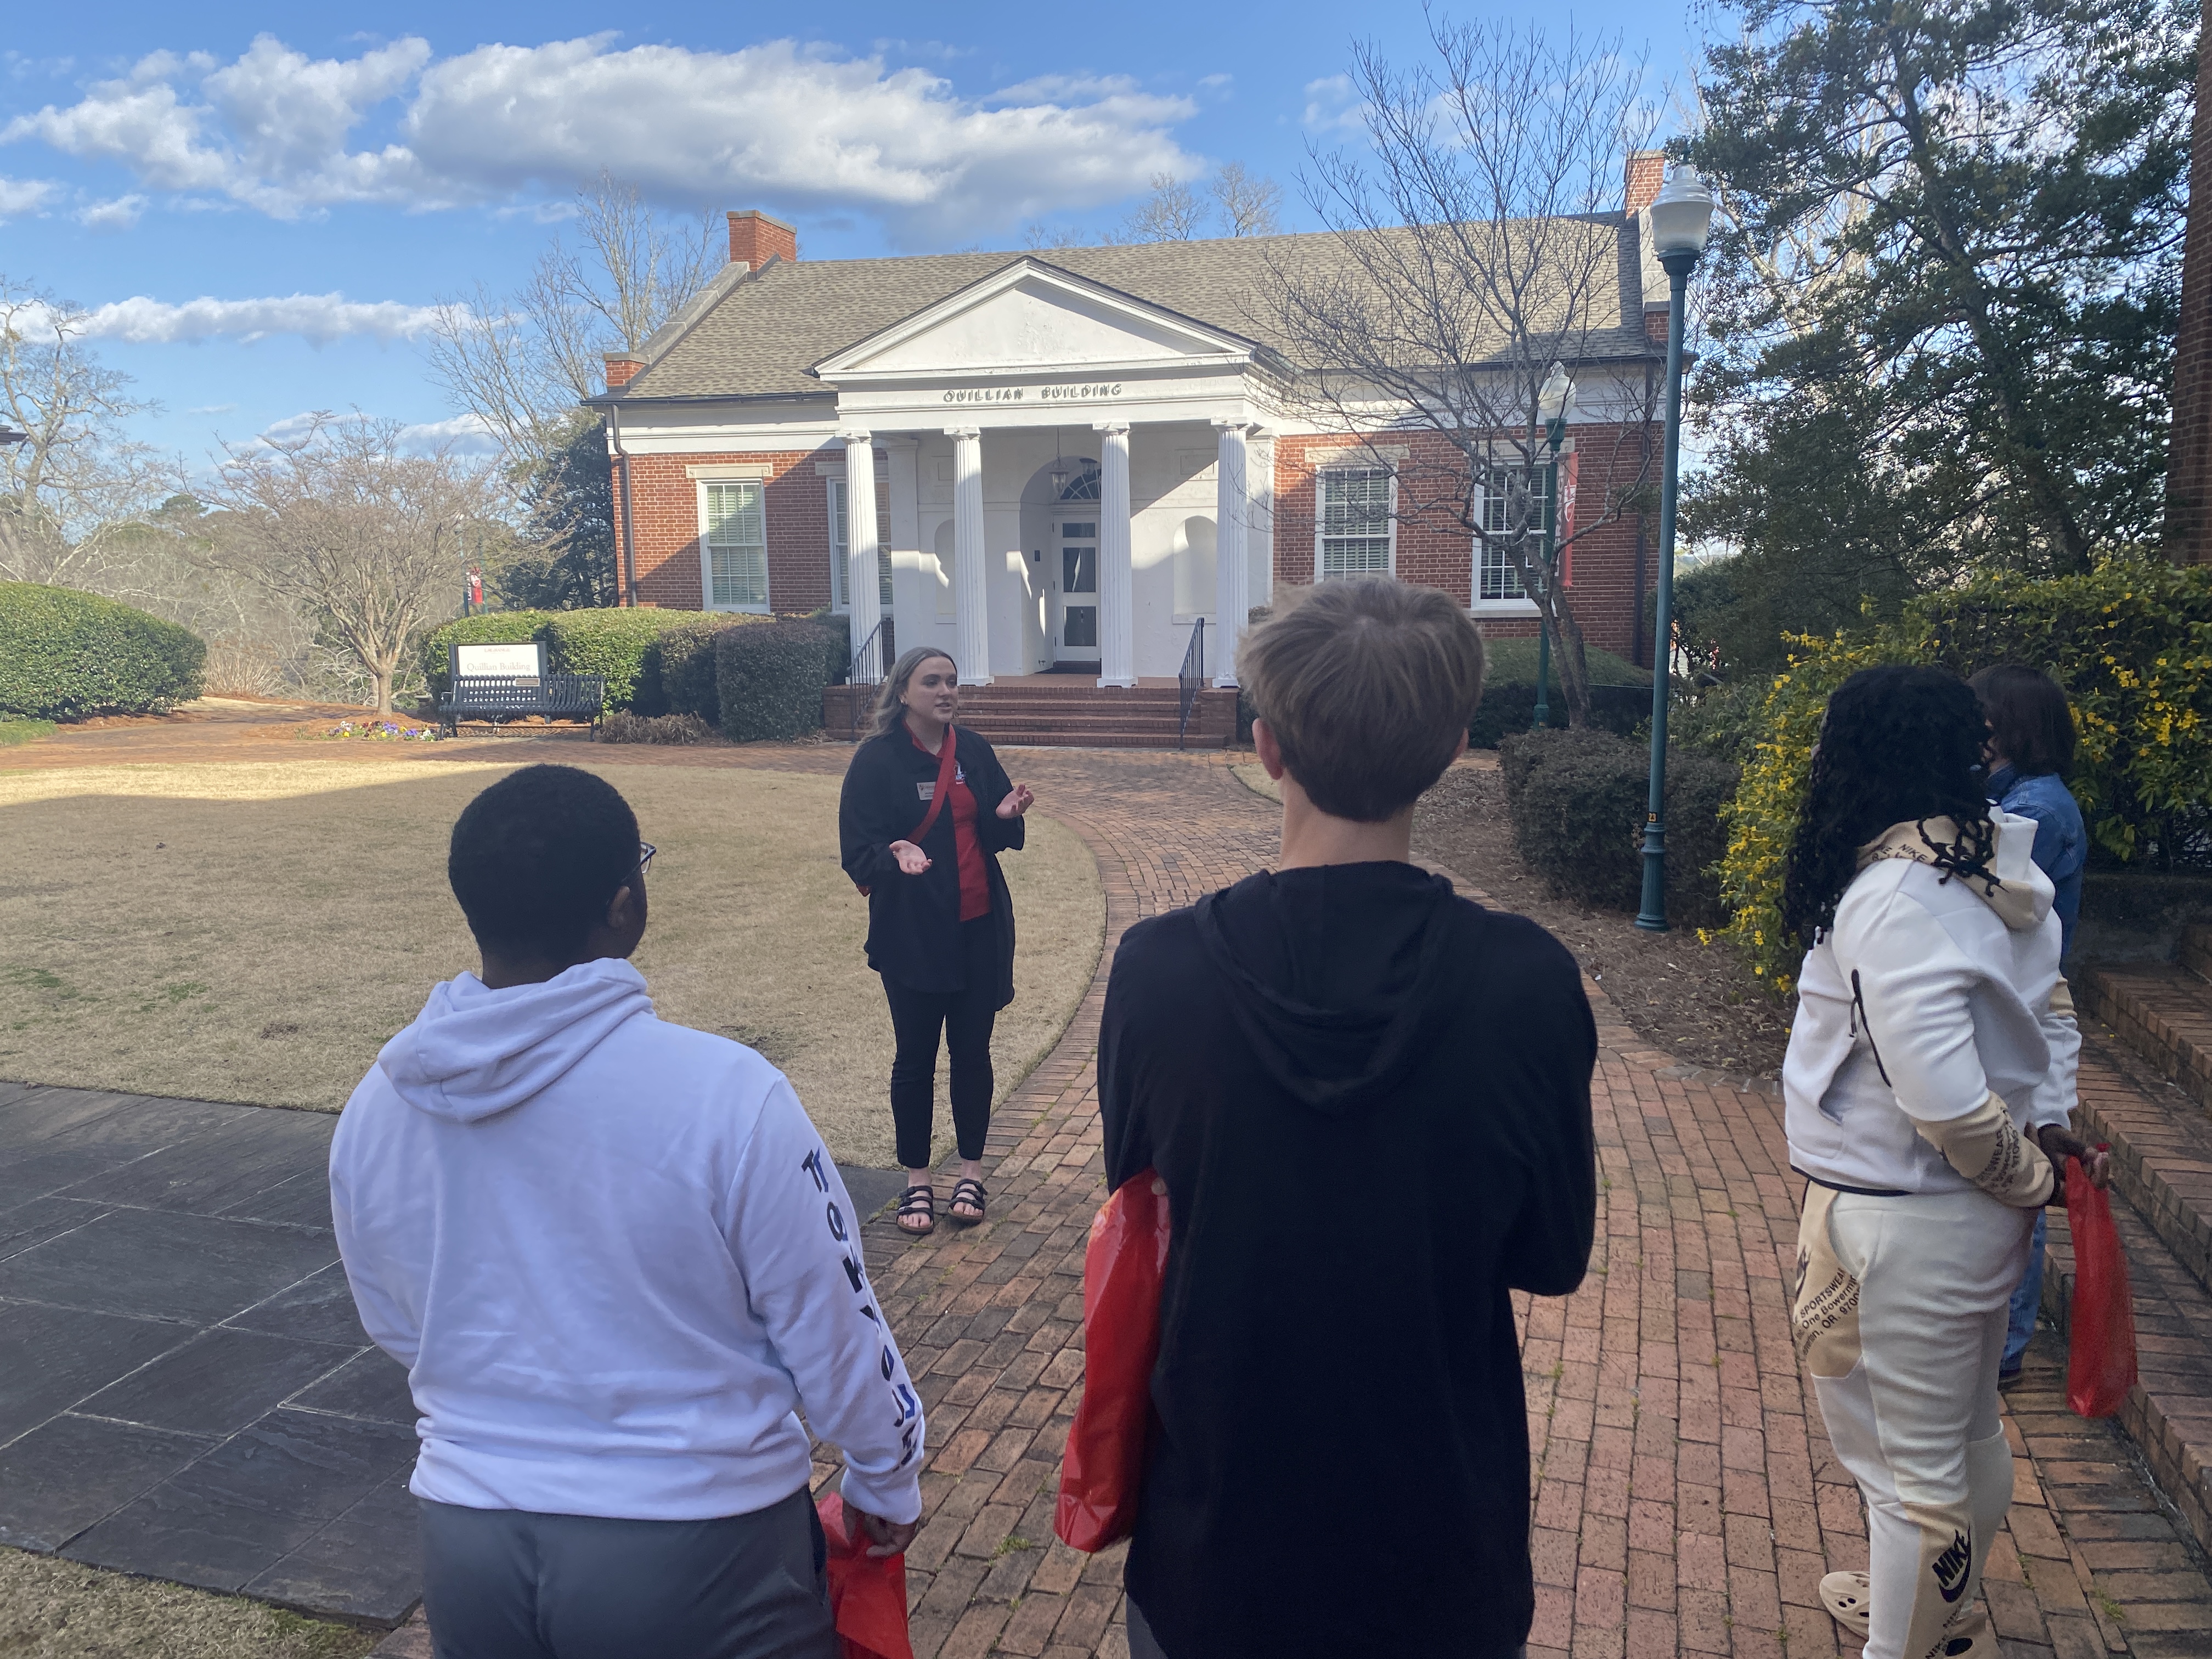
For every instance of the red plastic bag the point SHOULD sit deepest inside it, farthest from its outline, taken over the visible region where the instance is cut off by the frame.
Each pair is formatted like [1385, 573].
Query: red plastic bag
[2100, 1366]
[1122, 1268]
[867, 1593]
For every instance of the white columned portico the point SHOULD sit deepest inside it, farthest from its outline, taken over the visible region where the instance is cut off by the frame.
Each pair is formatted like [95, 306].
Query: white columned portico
[861, 557]
[971, 592]
[1231, 516]
[1259, 499]
[1117, 599]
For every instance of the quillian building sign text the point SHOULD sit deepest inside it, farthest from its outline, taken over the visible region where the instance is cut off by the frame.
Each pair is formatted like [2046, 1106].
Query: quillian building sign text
[1044, 394]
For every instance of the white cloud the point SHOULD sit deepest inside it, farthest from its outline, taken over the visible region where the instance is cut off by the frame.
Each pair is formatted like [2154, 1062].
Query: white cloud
[21, 196]
[777, 124]
[320, 317]
[464, 434]
[120, 214]
[268, 130]
[1334, 106]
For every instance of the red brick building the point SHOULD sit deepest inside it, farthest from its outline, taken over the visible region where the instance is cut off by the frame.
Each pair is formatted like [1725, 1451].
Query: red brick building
[1071, 462]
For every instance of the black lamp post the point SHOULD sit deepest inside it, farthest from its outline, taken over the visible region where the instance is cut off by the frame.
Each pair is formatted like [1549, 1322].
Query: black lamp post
[1553, 399]
[1681, 218]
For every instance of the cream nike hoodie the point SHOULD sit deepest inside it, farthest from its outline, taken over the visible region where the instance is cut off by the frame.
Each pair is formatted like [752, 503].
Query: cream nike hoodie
[617, 1262]
[1926, 997]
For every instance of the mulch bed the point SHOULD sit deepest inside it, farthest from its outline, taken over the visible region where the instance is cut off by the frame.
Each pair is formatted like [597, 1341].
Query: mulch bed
[1698, 1001]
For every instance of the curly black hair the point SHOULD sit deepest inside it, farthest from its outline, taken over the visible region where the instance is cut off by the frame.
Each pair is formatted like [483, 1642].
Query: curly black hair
[1896, 745]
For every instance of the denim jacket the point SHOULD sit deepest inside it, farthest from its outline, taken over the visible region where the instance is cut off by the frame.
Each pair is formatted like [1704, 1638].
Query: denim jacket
[2061, 845]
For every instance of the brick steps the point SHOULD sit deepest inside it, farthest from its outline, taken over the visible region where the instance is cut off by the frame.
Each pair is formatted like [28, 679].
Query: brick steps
[1076, 714]
[2168, 1413]
[2163, 1011]
[2146, 1086]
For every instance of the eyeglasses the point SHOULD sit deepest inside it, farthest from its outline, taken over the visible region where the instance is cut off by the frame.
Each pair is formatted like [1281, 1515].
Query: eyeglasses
[645, 849]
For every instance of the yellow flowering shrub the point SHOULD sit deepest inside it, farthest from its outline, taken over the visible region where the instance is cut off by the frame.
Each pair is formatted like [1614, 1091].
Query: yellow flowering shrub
[2131, 643]
[1763, 817]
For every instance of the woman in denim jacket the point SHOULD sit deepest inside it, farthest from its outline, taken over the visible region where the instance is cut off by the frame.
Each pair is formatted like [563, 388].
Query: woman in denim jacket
[2031, 749]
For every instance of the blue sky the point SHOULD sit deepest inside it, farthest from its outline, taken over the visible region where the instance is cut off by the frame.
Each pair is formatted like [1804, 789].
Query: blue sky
[191, 168]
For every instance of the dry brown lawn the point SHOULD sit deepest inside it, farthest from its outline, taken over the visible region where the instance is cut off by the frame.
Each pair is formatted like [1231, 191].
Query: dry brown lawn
[51, 1609]
[255, 932]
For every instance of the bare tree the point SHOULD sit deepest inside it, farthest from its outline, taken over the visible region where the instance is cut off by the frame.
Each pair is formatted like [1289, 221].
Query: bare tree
[367, 540]
[75, 480]
[1172, 213]
[1250, 204]
[521, 364]
[1476, 243]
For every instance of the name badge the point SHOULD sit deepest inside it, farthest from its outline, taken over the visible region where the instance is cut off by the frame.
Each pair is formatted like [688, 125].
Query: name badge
[926, 791]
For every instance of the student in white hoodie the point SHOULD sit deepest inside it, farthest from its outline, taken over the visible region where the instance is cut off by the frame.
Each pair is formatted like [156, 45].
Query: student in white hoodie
[1928, 1086]
[617, 1263]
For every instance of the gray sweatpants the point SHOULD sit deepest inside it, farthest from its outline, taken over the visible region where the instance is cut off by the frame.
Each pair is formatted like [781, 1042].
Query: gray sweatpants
[511, 1584]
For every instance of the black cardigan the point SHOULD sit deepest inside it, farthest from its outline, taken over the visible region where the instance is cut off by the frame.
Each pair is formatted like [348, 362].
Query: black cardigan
[913, 922]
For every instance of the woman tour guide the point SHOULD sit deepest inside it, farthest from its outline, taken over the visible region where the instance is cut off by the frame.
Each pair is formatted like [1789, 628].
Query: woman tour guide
[925, 811]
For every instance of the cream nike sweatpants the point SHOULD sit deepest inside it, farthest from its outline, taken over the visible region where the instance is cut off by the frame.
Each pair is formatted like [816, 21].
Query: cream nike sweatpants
[1916, 1419]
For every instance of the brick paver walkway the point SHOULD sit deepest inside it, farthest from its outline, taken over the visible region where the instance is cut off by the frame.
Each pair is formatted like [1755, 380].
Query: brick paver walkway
[1686, 1500]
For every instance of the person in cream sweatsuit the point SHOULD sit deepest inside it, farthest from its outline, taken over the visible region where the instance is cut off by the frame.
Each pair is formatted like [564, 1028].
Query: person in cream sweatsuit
[617, 1263]
[1928, 1084]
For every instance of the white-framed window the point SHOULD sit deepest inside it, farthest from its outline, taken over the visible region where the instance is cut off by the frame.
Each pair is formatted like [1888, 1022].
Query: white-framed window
[733, 544]
[1355, 534]
[840, 567]
[1497, 584]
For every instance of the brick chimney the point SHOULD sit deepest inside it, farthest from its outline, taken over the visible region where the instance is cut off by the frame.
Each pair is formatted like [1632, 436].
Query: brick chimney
[622, 368]
[1647, 171]
[754, 237]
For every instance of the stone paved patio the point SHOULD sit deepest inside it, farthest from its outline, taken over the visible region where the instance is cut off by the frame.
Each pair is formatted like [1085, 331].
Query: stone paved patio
[1687, 1499]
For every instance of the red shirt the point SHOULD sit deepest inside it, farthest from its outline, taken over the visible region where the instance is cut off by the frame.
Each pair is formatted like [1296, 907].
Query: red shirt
[975, 880]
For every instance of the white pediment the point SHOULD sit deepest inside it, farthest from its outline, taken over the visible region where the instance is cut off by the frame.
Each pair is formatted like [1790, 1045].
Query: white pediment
[1029, 318]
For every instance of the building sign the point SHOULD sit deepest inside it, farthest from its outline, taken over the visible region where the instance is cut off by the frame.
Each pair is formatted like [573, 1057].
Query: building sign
[520, 660]
[1091, 392]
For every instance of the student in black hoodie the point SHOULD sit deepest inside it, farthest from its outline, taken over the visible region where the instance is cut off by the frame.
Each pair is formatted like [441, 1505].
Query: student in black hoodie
[1369, 1101]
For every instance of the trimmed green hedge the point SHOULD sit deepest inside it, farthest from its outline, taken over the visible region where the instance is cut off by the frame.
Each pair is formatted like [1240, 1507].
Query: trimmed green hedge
[629, 647]
[1620, 692]
[66, 655]
[687, 671]
[1577, 801]
[623, 644]
[770, 679]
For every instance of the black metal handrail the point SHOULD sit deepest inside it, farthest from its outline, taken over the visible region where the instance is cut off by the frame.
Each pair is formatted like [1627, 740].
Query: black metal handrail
[870, 655]
[1191, 678]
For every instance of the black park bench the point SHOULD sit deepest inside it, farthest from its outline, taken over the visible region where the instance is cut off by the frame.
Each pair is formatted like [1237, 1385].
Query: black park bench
[499, 698]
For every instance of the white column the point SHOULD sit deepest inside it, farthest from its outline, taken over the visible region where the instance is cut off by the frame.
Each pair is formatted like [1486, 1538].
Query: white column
[1117, 596]
[1231, 516]
[861, 551]
[1260, 496]
[970, 586]
[904, 513]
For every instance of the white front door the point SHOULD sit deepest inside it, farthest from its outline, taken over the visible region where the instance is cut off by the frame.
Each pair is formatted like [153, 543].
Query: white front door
[1074, 577]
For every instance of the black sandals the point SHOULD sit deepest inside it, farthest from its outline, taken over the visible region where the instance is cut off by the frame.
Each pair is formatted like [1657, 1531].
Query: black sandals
[921, 1201]
[968, 1192]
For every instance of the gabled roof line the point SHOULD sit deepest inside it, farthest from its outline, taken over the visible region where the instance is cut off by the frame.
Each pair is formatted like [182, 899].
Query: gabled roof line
[1027, 262]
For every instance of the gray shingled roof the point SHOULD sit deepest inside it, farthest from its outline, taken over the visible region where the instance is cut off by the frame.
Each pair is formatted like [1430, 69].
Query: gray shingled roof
[756, 334]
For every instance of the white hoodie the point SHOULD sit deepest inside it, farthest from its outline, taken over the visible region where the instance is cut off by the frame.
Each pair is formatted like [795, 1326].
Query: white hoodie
[617, 1262]
[1954, 1000]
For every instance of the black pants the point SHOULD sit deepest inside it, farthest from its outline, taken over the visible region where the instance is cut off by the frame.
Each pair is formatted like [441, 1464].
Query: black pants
[511, 1584]
[965, 1018]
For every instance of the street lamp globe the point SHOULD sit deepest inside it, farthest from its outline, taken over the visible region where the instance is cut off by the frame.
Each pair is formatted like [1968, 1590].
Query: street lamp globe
[1554, 399]
[1682, 213]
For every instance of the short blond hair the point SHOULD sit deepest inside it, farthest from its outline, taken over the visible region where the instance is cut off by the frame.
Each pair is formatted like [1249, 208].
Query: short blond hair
[1368, 686]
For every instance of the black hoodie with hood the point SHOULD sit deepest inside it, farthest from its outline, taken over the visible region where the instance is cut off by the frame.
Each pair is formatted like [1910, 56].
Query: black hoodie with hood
[1369, 1100]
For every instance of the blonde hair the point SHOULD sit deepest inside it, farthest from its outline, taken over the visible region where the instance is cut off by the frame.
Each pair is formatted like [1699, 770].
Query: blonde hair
[1368, 686]
[891, 701]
